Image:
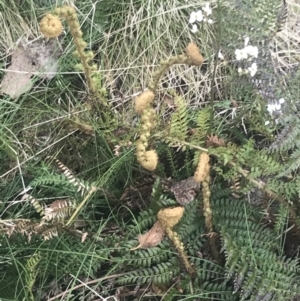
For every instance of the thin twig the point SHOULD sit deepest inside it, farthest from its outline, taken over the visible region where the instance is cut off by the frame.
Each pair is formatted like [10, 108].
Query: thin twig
[92, 190]
[85, 284]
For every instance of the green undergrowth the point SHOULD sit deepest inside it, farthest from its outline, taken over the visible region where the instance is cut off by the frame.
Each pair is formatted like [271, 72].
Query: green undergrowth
[73, 198]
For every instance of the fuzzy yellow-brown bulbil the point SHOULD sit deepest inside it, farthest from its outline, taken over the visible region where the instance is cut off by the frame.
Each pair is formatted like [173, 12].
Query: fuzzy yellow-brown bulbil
[143, 100]
[170, 217]
[194, 54]
[149, 160]
[202, 168]
[51, 26]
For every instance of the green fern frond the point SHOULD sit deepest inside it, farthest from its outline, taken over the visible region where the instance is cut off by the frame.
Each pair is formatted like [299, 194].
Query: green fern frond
[145, 221]
[31, 273]
[116, 167]
[252, 259]
[219, 192]
[149, 257]
[79, 185]
[172, 162]
[190, 222]
[289, 136]
[51, 180]
[292, 164]
[159, 274]
[281, 223]
[282, 16]
[215, 291]
[224, 154]
[199, 133]
[260, 162]
[206, 270]
[179, 120]
[259, 272]
[164, 202]
[288, 189]
[239, 211]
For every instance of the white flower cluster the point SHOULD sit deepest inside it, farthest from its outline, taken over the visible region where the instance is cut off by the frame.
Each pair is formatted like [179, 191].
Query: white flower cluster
[199, 16]
[275, 108]
[247, 53]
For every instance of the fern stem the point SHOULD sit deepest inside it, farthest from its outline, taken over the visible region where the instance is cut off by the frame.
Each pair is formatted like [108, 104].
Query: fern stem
[92, 190]
[263, 186]
[212, 92]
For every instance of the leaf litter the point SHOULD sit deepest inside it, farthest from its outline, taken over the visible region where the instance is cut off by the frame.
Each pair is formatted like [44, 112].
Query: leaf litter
[30, 58]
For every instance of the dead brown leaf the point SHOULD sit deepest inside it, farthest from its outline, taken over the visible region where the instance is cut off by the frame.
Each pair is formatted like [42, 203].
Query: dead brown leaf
[152, 238]
[29, 57]
[17, 81]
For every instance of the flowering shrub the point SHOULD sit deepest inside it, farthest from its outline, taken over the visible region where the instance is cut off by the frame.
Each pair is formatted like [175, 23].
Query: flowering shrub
[247, 53]
[200, 16]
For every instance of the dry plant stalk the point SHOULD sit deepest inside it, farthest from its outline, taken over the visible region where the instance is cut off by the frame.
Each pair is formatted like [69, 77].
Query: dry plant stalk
[209, 217]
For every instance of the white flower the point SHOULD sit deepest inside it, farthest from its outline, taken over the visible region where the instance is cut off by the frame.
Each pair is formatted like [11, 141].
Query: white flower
[246, 41]
[240, 70]
[253, 69]
[267, 122]
[192, 17]
[241, 54]
[220, 55]
[271, 108]
[281, 100]
[199, 16]
[194, 28]
[252, 50]
[210, 21]
[196, 16]
[277, 106]
[207, 9]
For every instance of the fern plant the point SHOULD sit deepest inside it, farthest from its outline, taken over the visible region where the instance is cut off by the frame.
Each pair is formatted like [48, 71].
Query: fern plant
[241, 256]
[253, 270]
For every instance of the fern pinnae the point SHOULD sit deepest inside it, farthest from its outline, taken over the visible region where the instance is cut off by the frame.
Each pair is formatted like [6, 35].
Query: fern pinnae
[145, 220]
[288, 138]
[59, 210]
[172, 162]
[70, 176]
[31, 273]
[35, 203]
[203, 125]
[161, 273]
[50, 233]
[149, 257]
[179, 121]
[292, 164]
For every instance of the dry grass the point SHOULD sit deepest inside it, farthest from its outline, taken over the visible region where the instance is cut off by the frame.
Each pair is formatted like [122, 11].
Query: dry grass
[132, 44]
